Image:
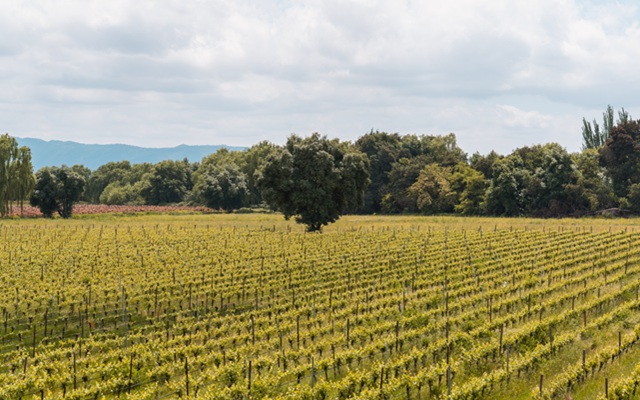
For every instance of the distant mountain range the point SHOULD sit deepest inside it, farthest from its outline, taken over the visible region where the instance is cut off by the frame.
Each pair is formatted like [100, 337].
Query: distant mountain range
[55, 152]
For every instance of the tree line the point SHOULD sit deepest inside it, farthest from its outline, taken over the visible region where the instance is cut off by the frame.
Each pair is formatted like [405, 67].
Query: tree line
[316, 179]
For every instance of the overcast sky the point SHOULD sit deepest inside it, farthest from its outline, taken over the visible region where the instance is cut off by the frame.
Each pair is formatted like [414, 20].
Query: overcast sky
[500, 74]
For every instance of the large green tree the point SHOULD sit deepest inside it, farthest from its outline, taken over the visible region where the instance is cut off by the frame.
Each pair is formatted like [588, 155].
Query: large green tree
[382, 149]
[103, 176]
[621, 156]
[395, 162]
[432, 190]
[254, 160]
[84, 172]
[167, 182]
[403, 174]
[550, 168]
[504, 194]
[56, 190]
[118, 193]
[315, 180]
[593, 182]
[220, 186]
[470, 186]
[534, 180]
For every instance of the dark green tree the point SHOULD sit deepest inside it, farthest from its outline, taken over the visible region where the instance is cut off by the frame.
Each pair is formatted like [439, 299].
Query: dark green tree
[315, 180]
[382, 149]
[56, 190]
[105, 175]
[593, 181]
[484, 164]
[254, 160]
[168, 182]
[45, 193]
[85, 173]
[220, 186]
[403, 174]
[621, 156]
[70, 188]
[633, 198]
[470, 186]
[125, 183]
[533, 180]
[504, 194]
[442, 150]
[432, 190]
[551, 168]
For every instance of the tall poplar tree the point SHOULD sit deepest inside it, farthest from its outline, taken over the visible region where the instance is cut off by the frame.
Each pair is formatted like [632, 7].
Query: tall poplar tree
[16, 174]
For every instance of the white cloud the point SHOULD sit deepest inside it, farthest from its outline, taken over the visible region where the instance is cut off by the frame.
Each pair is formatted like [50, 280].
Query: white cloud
[513, 117]
[499, 74]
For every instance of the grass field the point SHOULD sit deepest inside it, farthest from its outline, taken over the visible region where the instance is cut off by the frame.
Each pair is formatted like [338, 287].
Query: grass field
[238, 306]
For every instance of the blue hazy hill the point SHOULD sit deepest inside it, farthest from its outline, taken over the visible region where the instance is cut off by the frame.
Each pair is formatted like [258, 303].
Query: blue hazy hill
[55, 152]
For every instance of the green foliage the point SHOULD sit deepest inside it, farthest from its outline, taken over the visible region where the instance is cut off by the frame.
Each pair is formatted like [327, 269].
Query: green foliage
[395, 162]
[103, 176]
[117, 194]
[621, 156]
[432, 190]
[56, 190]
[382, 149]
[538, 180]
[634, 198]
[442, 150]
[593, 183]
[554, 169]
[45, 192]
[403, 174]
[26, 180]
[220, 186]
[70, 188]
[16, 173]
[315, 180]
[254, 160]
[117, 174]
[470, 185]
[504, 195]
[593, 137]
[484, 164]
[167, 182]
[86, 174]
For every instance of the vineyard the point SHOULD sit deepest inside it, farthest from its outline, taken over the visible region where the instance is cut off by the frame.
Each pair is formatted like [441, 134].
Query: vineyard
[250, 306]
[90, 209]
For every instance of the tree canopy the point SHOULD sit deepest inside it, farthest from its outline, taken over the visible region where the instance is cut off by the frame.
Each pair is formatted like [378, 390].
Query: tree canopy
[220, 186]
[16, 173]
[167, 182]
[56, 190]
[315, 180]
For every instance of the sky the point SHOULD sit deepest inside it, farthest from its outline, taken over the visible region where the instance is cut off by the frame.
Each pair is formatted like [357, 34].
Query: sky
[500, 74]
